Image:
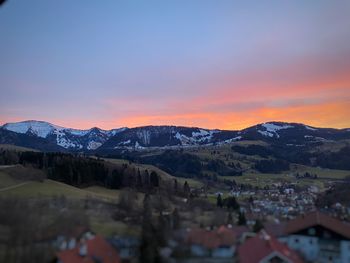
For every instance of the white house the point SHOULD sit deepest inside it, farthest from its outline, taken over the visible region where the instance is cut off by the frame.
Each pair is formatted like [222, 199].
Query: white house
[319, 238]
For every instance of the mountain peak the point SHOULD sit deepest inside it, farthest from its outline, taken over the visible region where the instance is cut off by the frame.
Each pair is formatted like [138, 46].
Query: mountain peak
[39, 128]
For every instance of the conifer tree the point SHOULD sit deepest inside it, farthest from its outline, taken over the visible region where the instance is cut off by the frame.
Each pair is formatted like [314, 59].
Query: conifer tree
[219, 202]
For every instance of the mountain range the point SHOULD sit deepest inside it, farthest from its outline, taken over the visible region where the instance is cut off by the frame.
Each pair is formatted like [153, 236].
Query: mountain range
[49, 137]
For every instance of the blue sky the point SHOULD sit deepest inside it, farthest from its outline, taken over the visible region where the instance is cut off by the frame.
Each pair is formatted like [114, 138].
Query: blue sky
[222, 64]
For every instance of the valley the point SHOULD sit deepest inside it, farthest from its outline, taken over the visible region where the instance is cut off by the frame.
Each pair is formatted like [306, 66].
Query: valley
[162, 180]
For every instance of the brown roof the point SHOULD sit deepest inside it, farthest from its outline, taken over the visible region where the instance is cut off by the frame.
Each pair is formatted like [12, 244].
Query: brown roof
[320, 219]
[275, 229]
[97, 248]
[222, 236]
[254, 249]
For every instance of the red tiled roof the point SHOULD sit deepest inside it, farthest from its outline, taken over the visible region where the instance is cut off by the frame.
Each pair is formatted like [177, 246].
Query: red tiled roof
[223, 236]
[317, 218]
[97, 247]
[254, 249]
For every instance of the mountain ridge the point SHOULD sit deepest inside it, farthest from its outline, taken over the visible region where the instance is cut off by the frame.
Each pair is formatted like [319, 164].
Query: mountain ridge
[47, 135]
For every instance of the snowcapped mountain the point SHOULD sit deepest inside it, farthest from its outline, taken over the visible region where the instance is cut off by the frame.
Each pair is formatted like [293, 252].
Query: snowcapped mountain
[49, 137]
[39, 128]
[292, 133]
[67, 138]
[166, 136]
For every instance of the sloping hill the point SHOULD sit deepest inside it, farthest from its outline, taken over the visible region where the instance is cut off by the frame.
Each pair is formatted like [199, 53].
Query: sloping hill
[16, 181]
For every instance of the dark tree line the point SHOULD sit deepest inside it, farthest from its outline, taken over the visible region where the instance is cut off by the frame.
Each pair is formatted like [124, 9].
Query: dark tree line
[228, 202]
[187, 165]
[252, 150]
[271, 166]
[176, 163]
[82, 171]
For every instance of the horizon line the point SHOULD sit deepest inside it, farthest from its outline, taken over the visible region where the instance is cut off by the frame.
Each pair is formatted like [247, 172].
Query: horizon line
[173, 125]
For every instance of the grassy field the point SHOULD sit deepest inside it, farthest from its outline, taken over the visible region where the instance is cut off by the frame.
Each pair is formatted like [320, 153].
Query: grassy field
[109, 227]
[47, 188]
[321, 172]
[250, 176]
[191, 182]
[6, 180]
[50, 188]
[332, 146]
[261, 179]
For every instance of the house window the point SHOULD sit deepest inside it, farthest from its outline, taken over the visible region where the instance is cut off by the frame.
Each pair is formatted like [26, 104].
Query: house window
[296, 240]
[311, 242]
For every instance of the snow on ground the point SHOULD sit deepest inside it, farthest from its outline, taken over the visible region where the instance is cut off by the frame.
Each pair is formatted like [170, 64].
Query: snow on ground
[40, 128]
[138, 146]
[61, 140]
[185, 140]
[77, 132]
[92, 145]
[200, 136]
[200, 133]
[125, 142]
[233, 139]
[144, 136]
[308, 136]
[310, 128]
[115, 131]
[266, 133]
[271, 129]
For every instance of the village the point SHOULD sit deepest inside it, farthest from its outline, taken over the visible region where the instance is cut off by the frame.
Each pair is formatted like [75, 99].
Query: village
[275, 224]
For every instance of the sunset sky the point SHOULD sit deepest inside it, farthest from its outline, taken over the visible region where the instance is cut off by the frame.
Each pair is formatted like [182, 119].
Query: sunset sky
[212, 64]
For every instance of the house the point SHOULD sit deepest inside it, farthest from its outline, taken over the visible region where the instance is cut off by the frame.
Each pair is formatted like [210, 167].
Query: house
[319, 237]
[127, 246]
[263, 248]
[89, 250]
[217, 243]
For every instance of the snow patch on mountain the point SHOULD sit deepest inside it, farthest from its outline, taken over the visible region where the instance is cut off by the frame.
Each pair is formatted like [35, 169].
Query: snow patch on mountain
[266, 133]
[308, 136]
[138, 146]
[310, 128]
[92, 145]
[184, 140]
[125, 142]
[233, 139]
[114, 131]
[200, 133]
[39, 128]
[179, 136]
[61, 140]
[144, 136]
[77, 132]
[203, 135]
[197, 137]
[271, 129]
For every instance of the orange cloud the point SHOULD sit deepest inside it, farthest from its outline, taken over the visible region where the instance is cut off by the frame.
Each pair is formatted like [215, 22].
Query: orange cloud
[328, 114]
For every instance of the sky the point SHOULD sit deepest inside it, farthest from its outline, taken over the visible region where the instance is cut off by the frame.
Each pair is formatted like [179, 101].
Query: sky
[204, 63]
